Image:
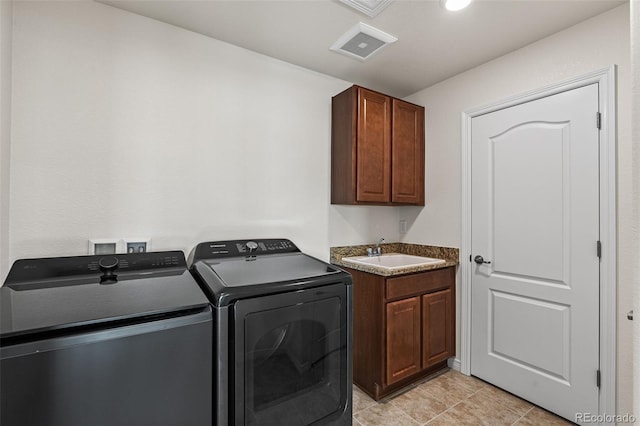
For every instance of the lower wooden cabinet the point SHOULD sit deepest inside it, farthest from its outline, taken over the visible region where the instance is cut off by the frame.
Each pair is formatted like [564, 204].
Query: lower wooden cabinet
[437, 329]
[403, 339]
[403, 329]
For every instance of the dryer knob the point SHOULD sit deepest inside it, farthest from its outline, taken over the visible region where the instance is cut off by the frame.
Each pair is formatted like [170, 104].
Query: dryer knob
[251, 245]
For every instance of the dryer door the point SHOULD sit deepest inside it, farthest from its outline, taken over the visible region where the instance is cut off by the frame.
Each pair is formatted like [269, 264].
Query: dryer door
[292, 358]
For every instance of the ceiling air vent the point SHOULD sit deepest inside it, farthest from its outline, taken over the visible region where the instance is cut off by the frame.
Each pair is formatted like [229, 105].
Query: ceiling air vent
[362, 41]
[368, 7]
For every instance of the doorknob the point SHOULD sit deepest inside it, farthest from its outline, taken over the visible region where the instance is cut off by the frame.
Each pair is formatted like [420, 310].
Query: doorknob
[480, 260]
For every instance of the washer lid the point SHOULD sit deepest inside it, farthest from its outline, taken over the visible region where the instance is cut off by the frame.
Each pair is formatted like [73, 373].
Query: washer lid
[239, 277]
[147, 286]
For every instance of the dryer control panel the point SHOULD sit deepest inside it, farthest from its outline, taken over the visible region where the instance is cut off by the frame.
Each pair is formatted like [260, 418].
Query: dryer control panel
[238, 248]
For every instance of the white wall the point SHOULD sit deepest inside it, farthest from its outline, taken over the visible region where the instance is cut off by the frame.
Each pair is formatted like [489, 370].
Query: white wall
[125, 126]
[588, 46]
[6, 17]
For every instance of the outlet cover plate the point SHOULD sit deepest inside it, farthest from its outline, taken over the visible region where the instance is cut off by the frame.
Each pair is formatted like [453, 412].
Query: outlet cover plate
[104, 246]
[136, 245]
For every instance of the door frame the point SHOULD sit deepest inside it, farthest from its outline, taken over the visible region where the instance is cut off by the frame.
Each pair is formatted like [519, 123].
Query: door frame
[606, 79]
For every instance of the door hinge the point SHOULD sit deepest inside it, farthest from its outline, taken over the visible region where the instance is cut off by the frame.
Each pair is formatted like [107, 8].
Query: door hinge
[599, 120]
[598, 378]
[599, 249]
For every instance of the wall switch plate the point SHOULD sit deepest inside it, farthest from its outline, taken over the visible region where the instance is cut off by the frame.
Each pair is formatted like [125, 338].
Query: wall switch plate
[403, 226]
[103, 246]
[136, 245]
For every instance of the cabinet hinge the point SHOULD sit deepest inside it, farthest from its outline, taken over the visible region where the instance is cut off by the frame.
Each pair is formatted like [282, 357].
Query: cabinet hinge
[598, 378]
[599, 120]
[599, 249]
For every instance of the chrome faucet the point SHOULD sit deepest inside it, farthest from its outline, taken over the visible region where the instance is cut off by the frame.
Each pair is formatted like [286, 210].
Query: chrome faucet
[375, 251]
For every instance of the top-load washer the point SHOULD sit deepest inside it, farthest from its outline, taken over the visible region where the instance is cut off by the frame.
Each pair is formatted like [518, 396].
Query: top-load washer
[105, 340]
[283, 333]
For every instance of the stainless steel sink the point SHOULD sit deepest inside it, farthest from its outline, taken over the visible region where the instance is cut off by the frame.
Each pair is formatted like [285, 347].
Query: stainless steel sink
[392, 261]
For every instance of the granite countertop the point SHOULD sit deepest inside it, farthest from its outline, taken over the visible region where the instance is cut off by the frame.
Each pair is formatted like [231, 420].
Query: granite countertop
[448, 254]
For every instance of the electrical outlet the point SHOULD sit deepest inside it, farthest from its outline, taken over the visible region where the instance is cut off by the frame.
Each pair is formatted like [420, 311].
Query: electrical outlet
[403, 226]
[136, 245]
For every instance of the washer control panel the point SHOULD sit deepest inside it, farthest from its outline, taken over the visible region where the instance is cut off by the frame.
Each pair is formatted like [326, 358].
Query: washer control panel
[50, 269]
[236, 248]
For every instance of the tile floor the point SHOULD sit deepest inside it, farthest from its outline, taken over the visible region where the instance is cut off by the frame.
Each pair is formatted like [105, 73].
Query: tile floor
[450, 399]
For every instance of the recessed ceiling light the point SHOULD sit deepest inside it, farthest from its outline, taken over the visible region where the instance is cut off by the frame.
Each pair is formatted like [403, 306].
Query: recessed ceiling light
[455, 5]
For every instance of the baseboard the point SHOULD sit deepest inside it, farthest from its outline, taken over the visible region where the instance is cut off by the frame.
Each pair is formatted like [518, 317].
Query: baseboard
[454, 364]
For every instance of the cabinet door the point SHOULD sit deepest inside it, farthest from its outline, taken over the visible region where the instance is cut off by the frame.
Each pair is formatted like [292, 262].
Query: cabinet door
[403, 339]
[437, 327]
[373, 147]
[407, 153]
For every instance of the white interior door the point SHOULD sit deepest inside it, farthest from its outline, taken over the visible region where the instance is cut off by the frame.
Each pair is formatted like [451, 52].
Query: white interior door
[535, 218]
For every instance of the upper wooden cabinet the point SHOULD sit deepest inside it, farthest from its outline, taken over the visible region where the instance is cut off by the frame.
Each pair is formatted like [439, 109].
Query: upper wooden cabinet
[377, 149]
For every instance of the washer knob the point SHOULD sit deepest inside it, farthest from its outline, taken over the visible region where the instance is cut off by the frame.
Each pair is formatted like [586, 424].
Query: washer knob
[108, 265]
